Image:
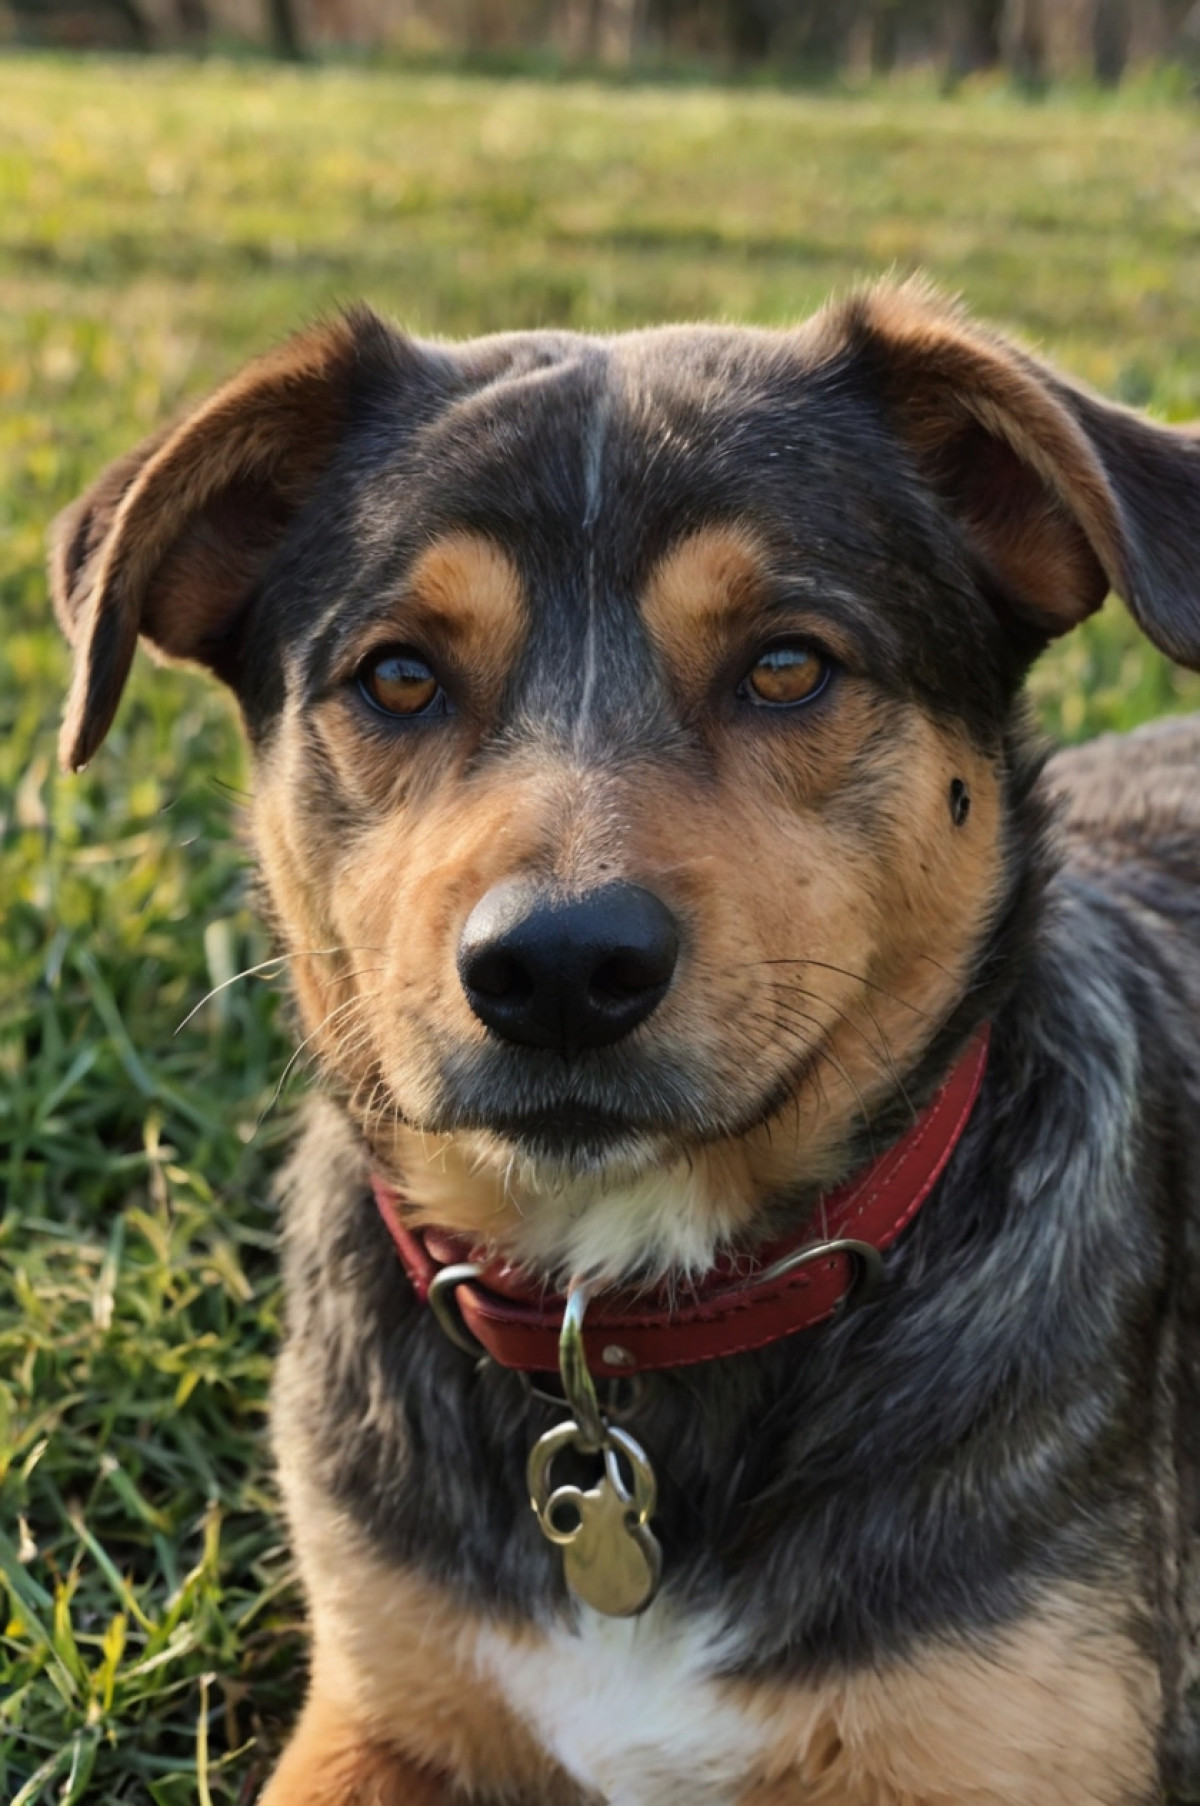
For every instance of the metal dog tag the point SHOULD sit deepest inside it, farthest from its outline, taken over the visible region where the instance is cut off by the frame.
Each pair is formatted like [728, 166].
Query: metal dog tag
[611, 1558]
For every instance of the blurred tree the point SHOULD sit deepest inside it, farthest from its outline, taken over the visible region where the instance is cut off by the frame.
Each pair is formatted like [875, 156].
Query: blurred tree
[192, 21]
[1033, 38]
[976, 41]
[1112, 23]
[885, 35]
[824, 33]
[119, 23]
[284, 30]
[1023, 37]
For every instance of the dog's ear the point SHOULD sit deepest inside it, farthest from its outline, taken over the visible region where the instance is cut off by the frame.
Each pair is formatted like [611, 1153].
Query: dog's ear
[1061, 495]
[172, 539]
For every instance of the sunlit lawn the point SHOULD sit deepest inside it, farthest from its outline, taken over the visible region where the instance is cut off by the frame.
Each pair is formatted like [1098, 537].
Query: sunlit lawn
[157, 224]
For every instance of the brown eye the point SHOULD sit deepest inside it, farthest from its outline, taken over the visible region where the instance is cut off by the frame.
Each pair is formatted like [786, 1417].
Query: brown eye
[400, 683]
[787, 674]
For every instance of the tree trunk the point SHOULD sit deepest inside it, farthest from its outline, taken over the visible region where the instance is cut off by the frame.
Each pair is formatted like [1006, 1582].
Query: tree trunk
[751, 30]
[135, 19]
[285, 32]
[1024, 38]
[977, 35]
[192, 17]
[1112, 22]
[828, 34]
[885, 36]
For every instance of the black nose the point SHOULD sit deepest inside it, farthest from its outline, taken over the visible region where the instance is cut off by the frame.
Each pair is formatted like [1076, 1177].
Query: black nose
[545, 972]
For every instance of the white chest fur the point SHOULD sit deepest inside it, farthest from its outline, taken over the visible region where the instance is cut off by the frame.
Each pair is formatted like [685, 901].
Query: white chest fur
[629, 1706]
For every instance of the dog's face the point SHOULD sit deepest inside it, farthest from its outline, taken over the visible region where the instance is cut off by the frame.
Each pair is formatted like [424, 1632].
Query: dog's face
[605, 755]
[632, 723]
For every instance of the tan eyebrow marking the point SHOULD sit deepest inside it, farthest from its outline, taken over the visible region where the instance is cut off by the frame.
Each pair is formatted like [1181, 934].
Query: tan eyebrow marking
[693, 591]
[468, 589]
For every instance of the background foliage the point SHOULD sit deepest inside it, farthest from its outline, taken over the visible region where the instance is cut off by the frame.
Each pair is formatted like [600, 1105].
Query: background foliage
[1035, 40]
[155, 228]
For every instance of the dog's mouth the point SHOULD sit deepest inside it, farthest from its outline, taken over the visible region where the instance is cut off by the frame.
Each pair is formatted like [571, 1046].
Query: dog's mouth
[614, 1109]
[572, 1136]
[572, 1111]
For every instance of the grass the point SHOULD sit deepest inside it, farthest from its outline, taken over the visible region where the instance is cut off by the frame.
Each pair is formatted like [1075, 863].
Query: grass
[158, 222]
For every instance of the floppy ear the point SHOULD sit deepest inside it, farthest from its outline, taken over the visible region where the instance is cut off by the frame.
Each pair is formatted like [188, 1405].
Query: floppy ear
[172, 540]
[1062, 496]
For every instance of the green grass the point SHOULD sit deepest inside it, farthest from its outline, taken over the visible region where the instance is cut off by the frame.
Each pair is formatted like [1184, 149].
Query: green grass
[158, 223]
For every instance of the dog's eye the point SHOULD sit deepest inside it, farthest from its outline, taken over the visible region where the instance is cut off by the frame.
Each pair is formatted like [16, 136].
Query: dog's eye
[787, 674]
[400, 683]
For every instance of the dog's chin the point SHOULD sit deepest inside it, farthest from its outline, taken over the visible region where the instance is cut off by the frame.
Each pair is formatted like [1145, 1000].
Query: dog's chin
[545, 1153]
[628, 1208]
[579, 1187]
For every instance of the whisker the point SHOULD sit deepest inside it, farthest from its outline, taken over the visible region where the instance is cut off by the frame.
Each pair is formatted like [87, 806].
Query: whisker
[882, 1055]
[354, 1104]
[277, 959]
[374, 1113]
[857, 977]
[349, 1003]
[821, 1051]
[250, 972]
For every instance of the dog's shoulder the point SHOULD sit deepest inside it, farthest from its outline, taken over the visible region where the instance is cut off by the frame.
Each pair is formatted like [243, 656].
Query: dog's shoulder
[1134, 796]
[1129, 813]
[1127, 808]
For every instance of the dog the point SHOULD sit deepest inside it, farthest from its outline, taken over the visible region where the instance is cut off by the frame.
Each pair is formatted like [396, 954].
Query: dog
[762, 1107]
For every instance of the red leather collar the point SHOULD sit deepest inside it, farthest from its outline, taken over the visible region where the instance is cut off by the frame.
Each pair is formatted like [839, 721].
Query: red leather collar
[727, 1312]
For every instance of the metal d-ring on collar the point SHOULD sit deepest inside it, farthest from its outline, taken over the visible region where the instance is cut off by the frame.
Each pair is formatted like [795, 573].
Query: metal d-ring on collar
[443, 1302]
[865, 1255]
[578, 1387]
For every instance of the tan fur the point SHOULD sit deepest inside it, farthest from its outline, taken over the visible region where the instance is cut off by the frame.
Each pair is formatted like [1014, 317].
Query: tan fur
[705, 585]
[887, 920]
[887, 927]
[330, 1761]
[701, 604]
[1056, 1710]
[1059, 1710]
[462, 609]
[466, 590]
[393, 1674]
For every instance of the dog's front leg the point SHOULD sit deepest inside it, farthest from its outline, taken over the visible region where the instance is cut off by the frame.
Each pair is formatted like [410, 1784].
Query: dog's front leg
[334, 1761]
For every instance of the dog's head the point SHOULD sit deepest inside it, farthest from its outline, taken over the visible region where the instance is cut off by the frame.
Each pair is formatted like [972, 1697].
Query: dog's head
[633, 723]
